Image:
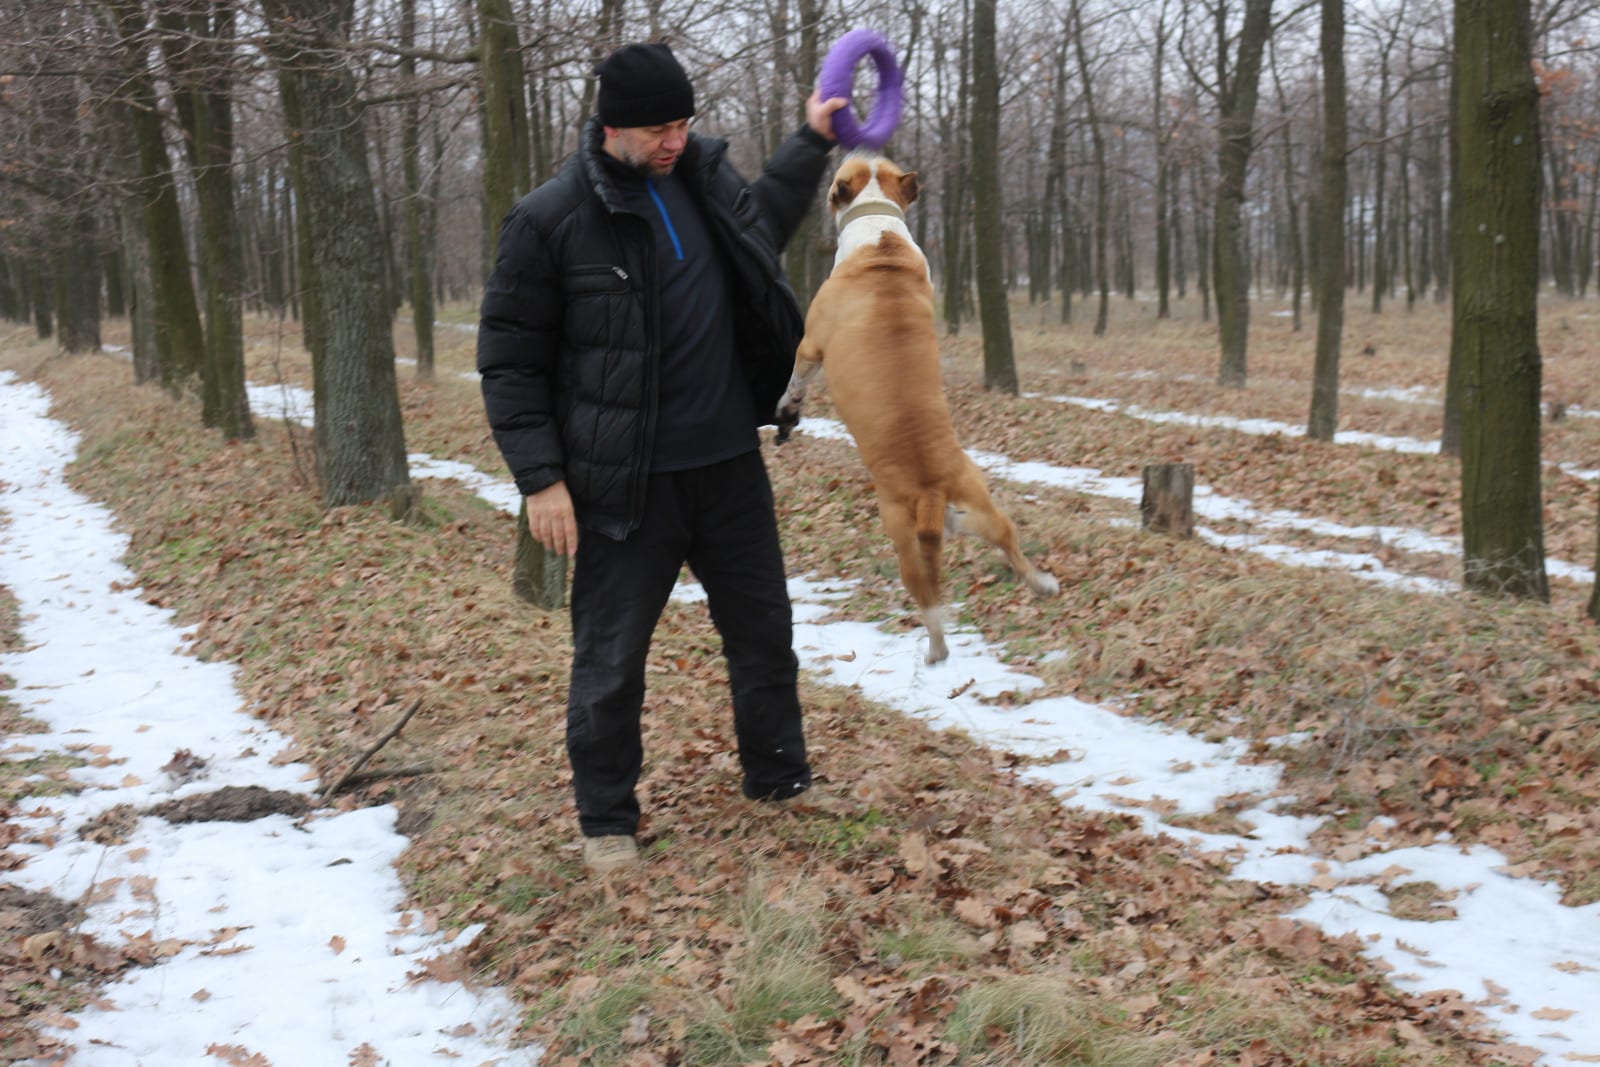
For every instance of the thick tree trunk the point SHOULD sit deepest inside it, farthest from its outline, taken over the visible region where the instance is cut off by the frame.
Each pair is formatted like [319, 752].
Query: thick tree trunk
[361, 454]
[1237, 96]
[999, 361]
[75, 273]
[10, 294]
[1324, 418]
[1167, 505]
[199, 51]
[506, 167]
[39, 290]
[1495, 340]
[179, 336]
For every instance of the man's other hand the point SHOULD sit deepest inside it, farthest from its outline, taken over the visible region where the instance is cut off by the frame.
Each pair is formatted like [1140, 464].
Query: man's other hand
[551, 521]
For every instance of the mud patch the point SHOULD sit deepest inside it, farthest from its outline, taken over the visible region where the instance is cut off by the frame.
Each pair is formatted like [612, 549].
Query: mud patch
[233, 804]
[24, 913]
[112, 826]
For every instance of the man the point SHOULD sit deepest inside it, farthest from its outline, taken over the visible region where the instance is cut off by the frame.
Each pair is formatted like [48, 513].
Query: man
[635, 331]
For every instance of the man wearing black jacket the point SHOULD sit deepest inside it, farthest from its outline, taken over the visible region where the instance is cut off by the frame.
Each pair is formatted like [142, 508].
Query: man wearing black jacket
[635, 331]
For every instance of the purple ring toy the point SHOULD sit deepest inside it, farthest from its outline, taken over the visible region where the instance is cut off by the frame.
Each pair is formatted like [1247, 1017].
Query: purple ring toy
[838, 72]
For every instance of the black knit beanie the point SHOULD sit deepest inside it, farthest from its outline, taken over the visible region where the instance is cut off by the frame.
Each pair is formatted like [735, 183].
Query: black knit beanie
[643, 85]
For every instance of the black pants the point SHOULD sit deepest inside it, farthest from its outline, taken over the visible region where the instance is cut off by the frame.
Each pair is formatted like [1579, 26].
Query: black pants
[720, 520]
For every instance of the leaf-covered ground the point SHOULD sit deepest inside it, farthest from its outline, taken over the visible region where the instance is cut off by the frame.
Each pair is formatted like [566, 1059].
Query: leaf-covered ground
[928, 905]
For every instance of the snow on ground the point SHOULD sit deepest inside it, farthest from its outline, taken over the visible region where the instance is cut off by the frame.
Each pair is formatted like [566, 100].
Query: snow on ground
[290, 938]
[1268, 427]
[1512, 950]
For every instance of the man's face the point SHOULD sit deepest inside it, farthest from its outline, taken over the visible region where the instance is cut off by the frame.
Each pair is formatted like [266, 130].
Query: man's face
[652, 150]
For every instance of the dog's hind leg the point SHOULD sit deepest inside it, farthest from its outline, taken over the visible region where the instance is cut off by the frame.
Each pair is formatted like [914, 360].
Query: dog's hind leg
[973, 512]
[917, 533]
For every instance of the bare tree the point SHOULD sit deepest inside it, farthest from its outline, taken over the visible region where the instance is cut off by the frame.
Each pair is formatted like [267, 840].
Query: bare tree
[361, 454]
[1494, 350]
[1237, 92]
[197, 40]
[1324, 418]
[178, 333]
[999, 361]
[1102, 192]
[419, 239]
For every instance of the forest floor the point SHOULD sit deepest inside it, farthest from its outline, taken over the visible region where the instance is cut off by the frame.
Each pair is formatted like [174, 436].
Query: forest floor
[934, 901]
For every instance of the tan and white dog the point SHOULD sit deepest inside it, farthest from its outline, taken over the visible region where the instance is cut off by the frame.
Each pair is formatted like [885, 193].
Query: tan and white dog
[872, 324]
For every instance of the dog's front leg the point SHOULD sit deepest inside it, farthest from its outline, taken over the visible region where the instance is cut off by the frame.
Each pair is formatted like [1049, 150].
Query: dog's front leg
[794, 397]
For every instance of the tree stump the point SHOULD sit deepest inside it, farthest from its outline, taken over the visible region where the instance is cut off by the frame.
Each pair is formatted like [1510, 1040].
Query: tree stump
[537, 576]
[1168, 502]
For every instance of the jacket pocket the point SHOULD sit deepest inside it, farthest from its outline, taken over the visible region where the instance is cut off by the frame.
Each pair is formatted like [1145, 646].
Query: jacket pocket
[598, 279]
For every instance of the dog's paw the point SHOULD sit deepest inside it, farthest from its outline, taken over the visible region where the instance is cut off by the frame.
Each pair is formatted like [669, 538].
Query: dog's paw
[788, 419]
[1043, 584]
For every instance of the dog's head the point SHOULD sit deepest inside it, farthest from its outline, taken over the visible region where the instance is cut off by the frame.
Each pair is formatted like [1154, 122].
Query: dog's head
[863, 179]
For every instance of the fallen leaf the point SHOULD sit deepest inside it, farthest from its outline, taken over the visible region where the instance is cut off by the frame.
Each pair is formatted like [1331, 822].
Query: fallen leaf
[1554, 1015]
[1027, 934]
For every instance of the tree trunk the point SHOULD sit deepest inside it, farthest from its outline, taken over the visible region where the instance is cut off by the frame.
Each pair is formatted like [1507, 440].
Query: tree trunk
[361, 454]
[179, 336]
[75, 274]
[506, 168]
[999, 362]
[1594, 595]
[1237, 102]
[199, 52]
[1297, 262]
[1495, 310]
[952, 128]
[1202, 244]
[40, 287]
[1167, 505]
[1380, 192]
[419, 241]
[1324, 418]
[1163, 174]
[1102, 192]
[805, 263]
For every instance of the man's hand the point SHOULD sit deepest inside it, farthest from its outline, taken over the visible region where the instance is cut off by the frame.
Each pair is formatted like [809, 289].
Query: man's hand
[819, 113]
[551, 521]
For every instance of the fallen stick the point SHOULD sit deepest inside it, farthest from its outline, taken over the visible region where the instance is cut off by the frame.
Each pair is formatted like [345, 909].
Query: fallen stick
[350, 781]
[372, 750]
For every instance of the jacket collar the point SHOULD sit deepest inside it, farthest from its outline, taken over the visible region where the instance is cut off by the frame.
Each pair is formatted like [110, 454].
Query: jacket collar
[700, 156]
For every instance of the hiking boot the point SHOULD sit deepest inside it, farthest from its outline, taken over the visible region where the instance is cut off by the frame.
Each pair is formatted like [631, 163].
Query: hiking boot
[613, 852]
[798, 797]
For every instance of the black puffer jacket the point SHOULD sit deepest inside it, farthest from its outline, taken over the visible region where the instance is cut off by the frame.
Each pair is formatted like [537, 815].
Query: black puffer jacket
[568, 341]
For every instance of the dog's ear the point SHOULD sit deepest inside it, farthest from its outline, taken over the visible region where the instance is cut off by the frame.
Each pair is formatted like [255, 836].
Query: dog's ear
[841, 194]
[910, 187]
